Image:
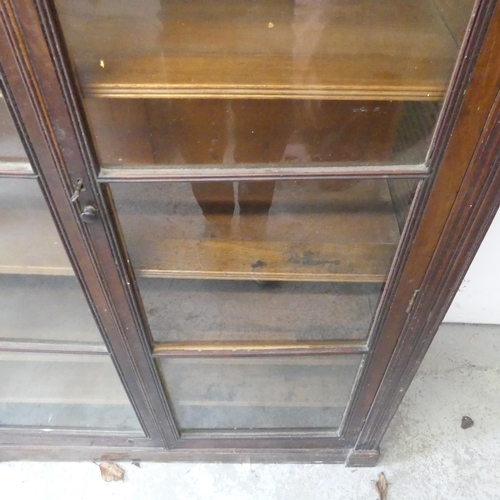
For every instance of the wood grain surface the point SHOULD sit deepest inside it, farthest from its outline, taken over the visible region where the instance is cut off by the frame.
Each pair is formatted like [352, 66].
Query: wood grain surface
[315, 231]
[361, 49]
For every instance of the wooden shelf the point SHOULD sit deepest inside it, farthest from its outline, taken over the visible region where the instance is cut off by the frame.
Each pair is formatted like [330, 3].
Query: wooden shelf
[280, 261]
[313, 233]
[388, 49]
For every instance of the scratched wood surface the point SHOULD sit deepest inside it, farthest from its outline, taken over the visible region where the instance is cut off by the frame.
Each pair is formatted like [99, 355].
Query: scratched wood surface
[315, 231]
[384, 49]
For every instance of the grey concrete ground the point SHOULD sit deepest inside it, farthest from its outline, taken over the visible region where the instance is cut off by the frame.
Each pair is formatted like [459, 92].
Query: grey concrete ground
[426, 454]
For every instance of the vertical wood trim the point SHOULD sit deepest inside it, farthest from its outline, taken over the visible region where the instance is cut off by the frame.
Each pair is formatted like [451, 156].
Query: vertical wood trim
[474, 210]
[443, 198]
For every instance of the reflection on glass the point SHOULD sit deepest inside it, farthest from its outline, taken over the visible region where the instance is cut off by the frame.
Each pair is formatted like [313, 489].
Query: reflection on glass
[40, 296]
[263, 81]
[206, 132]
[222, 261]
[63, 391]
[260, 393]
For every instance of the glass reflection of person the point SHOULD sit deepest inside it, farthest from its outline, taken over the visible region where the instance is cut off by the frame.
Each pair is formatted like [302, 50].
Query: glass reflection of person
[256, 132]
[241, 131]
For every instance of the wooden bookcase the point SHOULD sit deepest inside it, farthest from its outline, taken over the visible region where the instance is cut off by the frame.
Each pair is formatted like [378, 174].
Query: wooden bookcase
[230, 230]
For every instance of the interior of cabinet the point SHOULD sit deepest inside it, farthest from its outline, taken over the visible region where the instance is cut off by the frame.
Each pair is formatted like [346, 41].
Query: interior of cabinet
[219, 133]
[313, 230]
[311, 270]
[45, 312]
[390, 49]
[30, 243]
[63, 390]
[260, 393]
[197, 312]
[344, 231]
[13, 158]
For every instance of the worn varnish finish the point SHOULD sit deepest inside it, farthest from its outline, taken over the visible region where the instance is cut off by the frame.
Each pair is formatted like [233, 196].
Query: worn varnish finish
[460, 192]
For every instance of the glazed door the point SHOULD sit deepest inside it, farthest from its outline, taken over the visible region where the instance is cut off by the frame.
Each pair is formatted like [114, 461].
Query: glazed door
[262, 167]
[58, 378]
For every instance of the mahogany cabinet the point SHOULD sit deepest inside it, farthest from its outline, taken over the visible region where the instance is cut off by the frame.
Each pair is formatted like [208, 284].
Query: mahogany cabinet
[231, 228]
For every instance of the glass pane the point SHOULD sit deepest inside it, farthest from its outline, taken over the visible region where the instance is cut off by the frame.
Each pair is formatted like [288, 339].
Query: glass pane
[12, 155]
[275, 261]
[40, 298]
[63, 390]
[260, 393]
[239, 311]
[267, 81]
[43, 309]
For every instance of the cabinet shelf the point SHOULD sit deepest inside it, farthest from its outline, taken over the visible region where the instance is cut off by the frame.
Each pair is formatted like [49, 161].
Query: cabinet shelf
[383, 50]
[264, 260]
[351, 238]
[312, 233]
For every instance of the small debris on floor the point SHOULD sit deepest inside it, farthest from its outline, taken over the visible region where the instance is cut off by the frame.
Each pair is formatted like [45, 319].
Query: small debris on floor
[111, 472]
[137, 463]
[467, 422]
[382, 486]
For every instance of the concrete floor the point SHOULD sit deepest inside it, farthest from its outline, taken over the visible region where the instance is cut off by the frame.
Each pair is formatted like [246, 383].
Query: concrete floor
[425, 455]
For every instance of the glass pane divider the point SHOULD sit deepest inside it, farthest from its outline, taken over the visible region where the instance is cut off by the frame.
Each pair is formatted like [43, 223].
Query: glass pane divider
[152, 173]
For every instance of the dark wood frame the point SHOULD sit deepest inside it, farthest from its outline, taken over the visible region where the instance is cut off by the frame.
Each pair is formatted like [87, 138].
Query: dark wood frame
[451, 214]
